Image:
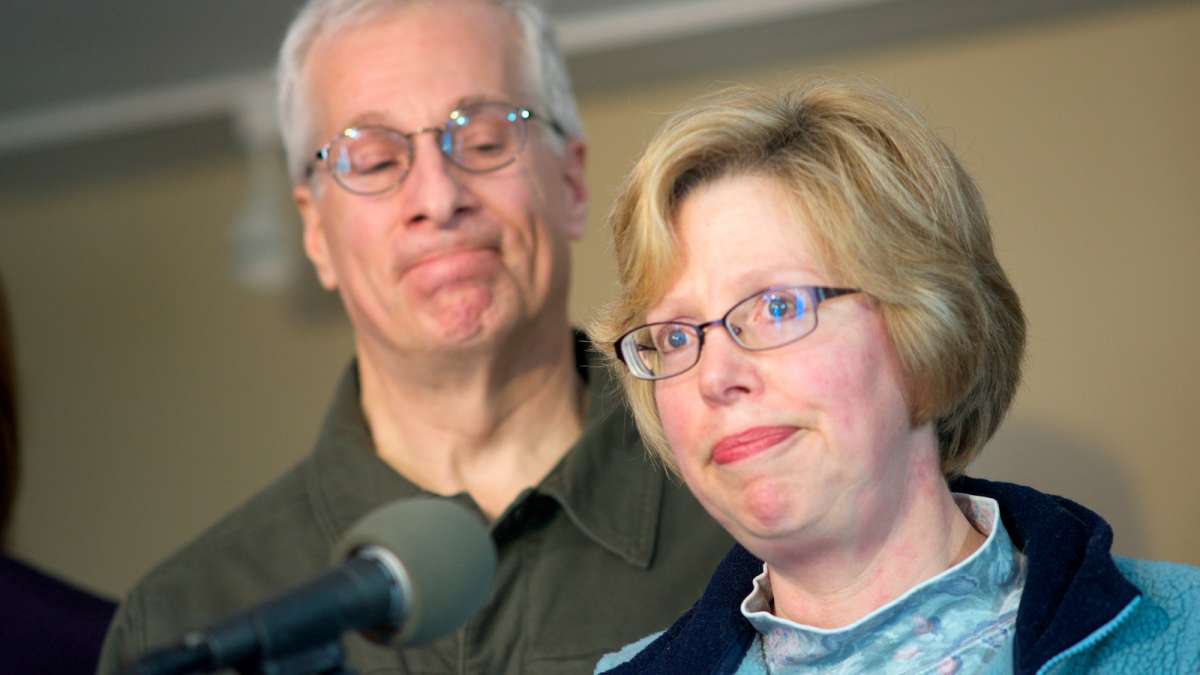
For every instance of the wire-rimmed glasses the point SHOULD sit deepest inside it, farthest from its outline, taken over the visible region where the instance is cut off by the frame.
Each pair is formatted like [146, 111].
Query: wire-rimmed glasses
[478, 138]
[770, 318]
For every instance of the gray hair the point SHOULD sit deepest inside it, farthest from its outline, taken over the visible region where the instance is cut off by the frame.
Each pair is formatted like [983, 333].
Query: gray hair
[546, 69]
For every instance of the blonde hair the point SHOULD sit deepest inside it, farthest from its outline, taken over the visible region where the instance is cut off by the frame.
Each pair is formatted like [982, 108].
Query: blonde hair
[890, 207]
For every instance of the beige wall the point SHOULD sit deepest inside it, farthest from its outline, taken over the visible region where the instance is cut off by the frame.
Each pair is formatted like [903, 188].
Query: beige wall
[158, 393]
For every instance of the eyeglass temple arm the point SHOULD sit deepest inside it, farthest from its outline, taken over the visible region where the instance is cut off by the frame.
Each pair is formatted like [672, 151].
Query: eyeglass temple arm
[827, 292]
[550, 122]
[318, 156]
[556, 127]
[616, 347]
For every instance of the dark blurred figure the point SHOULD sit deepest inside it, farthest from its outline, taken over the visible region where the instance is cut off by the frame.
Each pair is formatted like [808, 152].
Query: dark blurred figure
[46, 625]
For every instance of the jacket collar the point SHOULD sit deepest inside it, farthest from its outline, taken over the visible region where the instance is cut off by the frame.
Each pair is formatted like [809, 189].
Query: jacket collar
[1072, 589]
[712, 636]
[603, 483]
[1073, 586]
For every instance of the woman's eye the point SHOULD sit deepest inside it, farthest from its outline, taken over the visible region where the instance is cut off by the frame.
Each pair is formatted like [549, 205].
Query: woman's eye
[672, 339]
[780, 307]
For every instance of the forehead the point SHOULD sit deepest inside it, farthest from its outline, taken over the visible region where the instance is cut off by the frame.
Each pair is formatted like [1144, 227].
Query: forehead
[736, 235]
[412, 66]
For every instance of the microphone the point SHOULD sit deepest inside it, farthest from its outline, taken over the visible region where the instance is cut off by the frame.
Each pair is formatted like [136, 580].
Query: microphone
[413, 571]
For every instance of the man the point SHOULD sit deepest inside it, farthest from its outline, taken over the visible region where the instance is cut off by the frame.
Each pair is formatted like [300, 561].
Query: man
[442, 211]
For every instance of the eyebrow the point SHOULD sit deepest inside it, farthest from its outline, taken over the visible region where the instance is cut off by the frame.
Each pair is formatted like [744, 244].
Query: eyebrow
[666, 312]
[476, 98]
[368, 118]
[751, 281]
[380, 118]
[761, 278]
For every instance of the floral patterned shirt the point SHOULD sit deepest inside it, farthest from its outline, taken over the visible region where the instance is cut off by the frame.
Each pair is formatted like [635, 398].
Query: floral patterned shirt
[960, 621]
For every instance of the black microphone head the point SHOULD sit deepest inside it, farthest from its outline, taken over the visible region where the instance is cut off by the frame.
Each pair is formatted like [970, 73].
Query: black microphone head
[447, 557]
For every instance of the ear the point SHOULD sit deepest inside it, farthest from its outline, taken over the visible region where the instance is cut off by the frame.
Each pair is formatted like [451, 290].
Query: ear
[577, 192]
[316, 247]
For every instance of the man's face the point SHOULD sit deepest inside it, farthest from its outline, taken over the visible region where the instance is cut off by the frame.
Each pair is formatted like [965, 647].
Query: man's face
[447, 259]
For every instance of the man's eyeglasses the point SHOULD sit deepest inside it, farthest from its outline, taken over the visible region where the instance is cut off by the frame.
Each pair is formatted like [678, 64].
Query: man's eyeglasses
[478, 138]
[770, 318]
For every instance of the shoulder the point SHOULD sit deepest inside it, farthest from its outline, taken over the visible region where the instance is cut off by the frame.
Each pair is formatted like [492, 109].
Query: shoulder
[1171, 591]
[281, 514]
[625, 654]
[29, 592]
[269, 543]
[47, 624]
[712, 636]
[1161, 629]
[1156, 577]
[245, 550]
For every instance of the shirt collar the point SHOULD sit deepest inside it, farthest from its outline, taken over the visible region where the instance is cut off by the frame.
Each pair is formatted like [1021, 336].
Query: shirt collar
[975, 599]
[346, 478]
[606, 483]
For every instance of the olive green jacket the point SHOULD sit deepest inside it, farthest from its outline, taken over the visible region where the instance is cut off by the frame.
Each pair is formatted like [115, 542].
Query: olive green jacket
[604, 550]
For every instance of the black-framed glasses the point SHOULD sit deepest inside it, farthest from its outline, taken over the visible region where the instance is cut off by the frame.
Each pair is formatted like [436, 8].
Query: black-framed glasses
[772, 317]
[478, 138]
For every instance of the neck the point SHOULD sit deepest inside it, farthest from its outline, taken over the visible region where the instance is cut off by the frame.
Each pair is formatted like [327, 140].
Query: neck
[489, 422]
[901, 541]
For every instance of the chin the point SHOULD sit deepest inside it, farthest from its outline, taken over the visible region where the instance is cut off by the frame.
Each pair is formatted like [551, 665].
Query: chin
[467, 314]
[767, 505]
[761, 511]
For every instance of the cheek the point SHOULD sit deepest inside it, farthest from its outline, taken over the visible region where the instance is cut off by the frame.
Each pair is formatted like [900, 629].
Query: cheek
[510, 204]
[511, 197]
[359, 234]
[845, 384]
[864, 402]
[679, 415]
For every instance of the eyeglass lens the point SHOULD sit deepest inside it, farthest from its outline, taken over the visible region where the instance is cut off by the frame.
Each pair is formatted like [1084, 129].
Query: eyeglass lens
[478, 138]
[765, 320]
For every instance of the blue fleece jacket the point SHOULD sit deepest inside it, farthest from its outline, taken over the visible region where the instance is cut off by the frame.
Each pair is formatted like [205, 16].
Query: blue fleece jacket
[1082, 610]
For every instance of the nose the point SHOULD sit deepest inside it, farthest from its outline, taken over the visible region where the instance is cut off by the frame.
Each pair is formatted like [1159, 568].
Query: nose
[433, 190]
[727, 373]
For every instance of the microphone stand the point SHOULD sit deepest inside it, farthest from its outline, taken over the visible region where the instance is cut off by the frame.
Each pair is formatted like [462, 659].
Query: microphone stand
[371, 589]
[326, 659]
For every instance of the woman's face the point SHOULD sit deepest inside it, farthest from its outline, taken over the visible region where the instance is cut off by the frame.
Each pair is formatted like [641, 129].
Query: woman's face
[804, 445]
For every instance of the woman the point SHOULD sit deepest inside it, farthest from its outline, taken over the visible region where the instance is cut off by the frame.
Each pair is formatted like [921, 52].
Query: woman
[815, 334]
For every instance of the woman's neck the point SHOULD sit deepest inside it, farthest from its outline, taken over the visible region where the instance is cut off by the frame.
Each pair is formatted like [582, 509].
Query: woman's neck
[899, 543]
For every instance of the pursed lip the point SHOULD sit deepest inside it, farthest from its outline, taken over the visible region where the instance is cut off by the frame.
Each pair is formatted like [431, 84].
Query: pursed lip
[450, 252]
[750, 442]
[435, 251]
